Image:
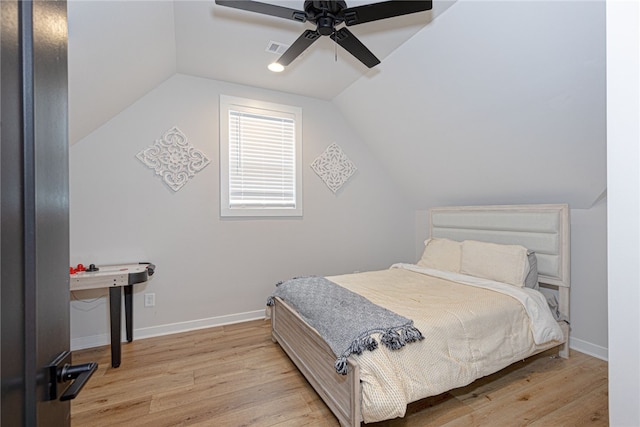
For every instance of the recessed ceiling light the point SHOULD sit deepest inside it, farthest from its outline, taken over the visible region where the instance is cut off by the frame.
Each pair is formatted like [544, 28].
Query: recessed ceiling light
[275, 67]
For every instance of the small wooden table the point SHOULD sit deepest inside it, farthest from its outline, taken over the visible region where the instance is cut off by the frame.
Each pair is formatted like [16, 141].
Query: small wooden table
[115, 277]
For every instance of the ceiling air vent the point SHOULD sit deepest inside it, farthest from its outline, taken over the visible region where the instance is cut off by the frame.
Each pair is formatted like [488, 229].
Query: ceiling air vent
[277, 48]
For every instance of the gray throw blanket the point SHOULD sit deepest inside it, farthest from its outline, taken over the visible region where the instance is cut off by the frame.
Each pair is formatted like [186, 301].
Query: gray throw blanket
[345, 320]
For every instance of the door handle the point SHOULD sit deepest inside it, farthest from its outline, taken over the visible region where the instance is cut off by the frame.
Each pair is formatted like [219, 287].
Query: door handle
[61, 372]
[79, 374]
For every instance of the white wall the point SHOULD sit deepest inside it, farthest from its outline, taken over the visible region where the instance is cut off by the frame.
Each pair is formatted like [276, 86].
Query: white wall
[115, 64]
[211, 271]
[589, 331]
[492, 102]
[623, 175]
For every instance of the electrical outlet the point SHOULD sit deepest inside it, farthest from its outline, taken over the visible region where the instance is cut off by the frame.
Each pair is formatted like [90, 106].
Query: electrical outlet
[149, 300]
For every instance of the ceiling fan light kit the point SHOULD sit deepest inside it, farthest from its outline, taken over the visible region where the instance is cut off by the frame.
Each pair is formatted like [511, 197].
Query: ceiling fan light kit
[327, 15]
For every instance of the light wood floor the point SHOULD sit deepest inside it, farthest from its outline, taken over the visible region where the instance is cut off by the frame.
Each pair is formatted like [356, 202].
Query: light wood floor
[236, 376]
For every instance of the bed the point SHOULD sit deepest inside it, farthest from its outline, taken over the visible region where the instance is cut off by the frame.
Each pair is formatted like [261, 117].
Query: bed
[379, 384]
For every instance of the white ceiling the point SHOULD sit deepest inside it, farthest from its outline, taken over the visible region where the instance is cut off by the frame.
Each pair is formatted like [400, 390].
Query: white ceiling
[119, 50]
[488, 90]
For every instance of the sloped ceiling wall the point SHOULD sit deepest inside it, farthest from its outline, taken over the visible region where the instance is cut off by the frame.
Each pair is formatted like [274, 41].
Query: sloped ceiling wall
[227, 44]
[493, 102]
[118, 51]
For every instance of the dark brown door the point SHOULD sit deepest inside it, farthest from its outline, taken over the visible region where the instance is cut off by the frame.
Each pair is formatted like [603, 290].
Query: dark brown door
[34, 211]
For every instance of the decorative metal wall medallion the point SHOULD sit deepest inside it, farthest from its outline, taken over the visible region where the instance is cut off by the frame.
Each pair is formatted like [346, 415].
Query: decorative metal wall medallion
[334, 167]
[174, 159]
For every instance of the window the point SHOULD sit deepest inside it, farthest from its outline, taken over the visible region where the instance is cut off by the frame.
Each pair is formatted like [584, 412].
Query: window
[260, 157]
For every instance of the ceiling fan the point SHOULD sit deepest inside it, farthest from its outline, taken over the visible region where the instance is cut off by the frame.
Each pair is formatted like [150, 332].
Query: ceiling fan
[326, 15]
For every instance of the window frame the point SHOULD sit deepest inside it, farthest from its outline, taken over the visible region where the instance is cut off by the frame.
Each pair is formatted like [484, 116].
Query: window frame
[233, 103]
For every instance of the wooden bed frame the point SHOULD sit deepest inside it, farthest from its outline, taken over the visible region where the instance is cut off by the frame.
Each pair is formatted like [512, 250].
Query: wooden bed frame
[541, 228]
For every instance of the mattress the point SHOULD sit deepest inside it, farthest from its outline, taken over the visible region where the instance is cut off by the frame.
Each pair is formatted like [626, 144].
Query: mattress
[470, 329]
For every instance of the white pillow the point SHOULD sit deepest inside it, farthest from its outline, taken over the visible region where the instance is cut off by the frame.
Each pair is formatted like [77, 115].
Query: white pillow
[502, 263]
[441, 254]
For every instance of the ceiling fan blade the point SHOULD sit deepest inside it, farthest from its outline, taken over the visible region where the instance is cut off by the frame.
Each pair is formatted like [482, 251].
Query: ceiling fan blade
[347, 40]
[305, 40]
[265, 9]
[386, 9]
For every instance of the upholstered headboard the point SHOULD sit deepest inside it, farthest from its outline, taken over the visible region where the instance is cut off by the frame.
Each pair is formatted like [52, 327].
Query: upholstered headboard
[540, 228]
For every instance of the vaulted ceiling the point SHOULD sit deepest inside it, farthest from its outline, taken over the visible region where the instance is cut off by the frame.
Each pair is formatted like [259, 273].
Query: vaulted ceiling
[488, 102]
[119, 50]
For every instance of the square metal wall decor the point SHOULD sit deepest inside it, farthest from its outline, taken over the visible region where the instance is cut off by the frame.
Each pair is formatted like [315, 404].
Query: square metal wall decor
[174, 159]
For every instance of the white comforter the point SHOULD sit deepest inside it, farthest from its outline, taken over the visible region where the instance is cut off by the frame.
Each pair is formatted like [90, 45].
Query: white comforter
[472, 327]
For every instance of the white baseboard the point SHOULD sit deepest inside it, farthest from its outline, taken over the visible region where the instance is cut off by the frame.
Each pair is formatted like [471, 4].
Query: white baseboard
[589, 348]
[192, 325]
[173, 328]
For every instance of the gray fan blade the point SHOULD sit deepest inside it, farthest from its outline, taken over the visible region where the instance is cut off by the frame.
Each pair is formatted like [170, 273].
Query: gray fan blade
[386, 9]
[304, 41]
[347, 40]
[265, 9]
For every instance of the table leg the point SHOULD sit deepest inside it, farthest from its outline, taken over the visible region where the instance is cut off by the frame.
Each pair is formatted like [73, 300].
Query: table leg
[115, 313]
[128, 311]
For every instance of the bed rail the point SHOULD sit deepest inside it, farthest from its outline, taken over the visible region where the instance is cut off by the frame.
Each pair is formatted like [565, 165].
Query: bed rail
[315, 359]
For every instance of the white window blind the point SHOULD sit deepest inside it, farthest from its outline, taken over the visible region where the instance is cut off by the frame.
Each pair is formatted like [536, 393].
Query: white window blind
[260, 157]
[261, 161]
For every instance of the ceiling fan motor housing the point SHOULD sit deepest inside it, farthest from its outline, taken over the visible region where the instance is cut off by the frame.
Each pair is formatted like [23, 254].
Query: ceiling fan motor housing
[326, 25]
[315, 7]
[325, 14]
